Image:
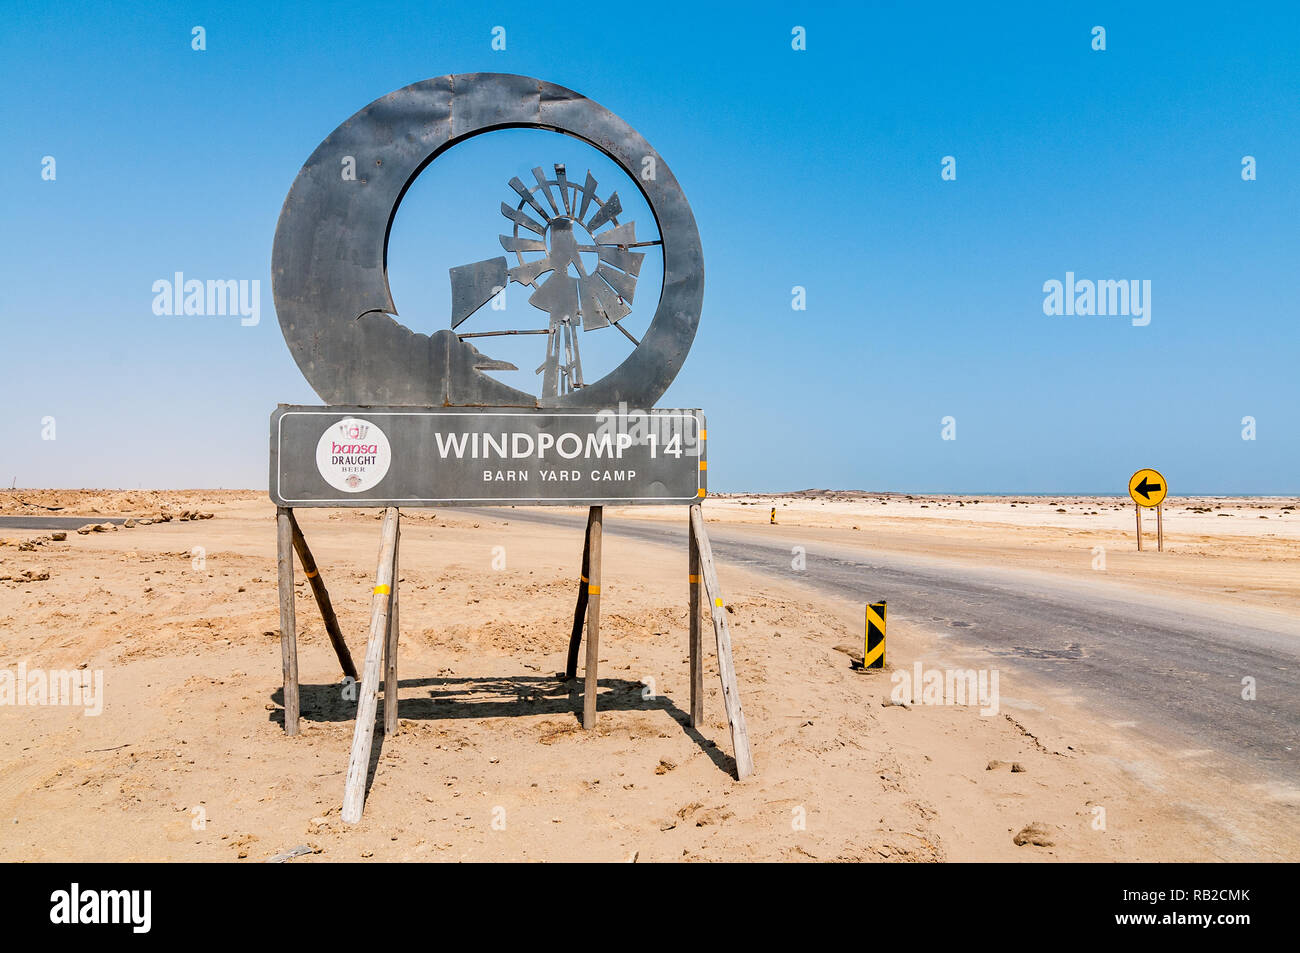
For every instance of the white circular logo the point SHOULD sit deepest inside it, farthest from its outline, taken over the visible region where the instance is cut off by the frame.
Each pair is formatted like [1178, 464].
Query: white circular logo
[353, 455]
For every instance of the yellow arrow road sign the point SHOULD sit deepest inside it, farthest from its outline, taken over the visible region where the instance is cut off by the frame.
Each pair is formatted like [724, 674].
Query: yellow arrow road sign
[1147, 487]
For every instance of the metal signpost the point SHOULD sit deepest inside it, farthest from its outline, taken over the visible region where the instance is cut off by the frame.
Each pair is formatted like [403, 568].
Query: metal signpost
[415, 420]
[1148, 488]
[406, 456]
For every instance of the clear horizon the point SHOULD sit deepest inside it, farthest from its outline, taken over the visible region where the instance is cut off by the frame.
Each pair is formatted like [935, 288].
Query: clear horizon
[926, 493]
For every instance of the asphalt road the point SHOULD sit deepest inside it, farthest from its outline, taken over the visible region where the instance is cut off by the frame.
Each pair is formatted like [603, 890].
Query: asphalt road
[48, 523]
[1175, 670]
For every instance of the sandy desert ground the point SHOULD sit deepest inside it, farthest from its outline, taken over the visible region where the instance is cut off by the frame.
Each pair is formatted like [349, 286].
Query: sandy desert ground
[188, 760]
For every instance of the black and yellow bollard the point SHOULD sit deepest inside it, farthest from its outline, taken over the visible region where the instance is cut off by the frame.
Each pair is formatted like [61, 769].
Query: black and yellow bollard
[874, 656]
[774, 516]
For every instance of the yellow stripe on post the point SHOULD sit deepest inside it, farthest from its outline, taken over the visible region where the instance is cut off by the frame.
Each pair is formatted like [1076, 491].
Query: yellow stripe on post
[703, 434]
[701, 491]
[382, 590]
[704, 464]
[313, 574]
[873, 655]
[718, 603]
[593, 590]
[695, 580]
[876, 659]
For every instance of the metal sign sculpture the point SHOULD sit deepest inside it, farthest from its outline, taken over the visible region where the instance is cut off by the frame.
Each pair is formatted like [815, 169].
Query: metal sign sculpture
[330, 261]
[417, 420]
[597, 296]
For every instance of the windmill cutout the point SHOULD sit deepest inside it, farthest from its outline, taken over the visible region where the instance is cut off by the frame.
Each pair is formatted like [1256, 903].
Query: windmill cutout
[578, 273]
[581, 265]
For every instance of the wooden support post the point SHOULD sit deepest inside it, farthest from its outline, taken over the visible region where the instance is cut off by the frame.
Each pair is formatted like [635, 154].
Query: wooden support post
[288, 620]
[390, 647]
[322, 598]
[1160, 528]
[595, 525]
[580, 611]
[354, 790]
[726, 668]
[697, 630]
[1139, 521]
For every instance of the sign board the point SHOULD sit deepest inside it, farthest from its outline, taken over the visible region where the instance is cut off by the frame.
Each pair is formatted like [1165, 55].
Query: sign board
[416, 420]
[1148, 487]
[418, 457]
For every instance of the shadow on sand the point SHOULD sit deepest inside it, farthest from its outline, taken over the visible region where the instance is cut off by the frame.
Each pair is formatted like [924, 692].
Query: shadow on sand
[440, 699]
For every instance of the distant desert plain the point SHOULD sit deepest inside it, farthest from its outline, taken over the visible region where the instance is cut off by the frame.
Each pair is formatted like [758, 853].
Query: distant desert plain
[187, 759]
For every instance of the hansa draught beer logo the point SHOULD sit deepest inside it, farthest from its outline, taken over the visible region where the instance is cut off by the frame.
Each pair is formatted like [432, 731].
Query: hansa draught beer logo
[353, 455]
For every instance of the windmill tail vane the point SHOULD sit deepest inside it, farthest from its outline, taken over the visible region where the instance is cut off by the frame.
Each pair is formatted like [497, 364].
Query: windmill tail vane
[556, 224]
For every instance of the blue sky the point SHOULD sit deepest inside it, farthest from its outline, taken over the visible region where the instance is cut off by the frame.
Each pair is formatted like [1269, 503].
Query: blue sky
[817, 168]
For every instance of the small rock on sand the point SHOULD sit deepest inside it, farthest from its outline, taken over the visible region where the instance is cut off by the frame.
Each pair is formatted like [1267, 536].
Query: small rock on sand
[1036, 834]
[27, 575]
[290, 854]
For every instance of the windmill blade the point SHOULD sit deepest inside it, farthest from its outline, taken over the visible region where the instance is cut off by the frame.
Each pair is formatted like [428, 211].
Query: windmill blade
[474, 285]
[540, 176]
[609, 210]
[593, 315]
[558, 295]
[528, 197]
[562, 183]
[521, 219]
[529, 271]
[625, 285]
[624, 234]
[588, 192]
[629, 261]
[600, 306]
[510, 243]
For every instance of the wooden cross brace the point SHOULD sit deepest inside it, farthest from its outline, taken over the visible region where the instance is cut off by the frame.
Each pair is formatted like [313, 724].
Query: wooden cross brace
[381, 646]
[703, 580]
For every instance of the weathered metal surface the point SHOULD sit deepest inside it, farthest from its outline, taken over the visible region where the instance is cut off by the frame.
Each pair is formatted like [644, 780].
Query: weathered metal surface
[412, 457]
[474, 285]
[329, 265]
[569, 294]
[607, 211]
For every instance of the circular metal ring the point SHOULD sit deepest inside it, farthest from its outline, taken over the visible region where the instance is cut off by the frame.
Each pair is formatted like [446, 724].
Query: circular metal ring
[330, 260]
